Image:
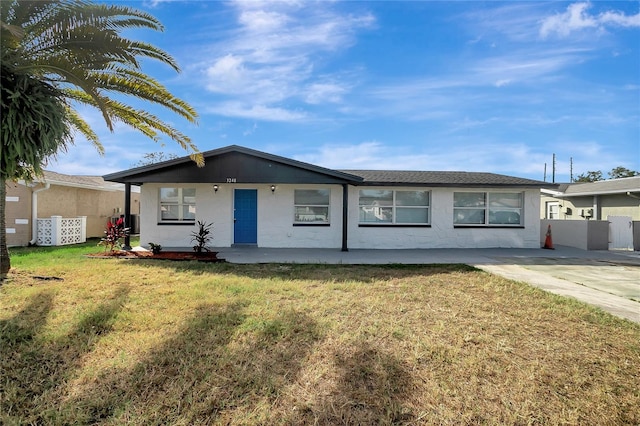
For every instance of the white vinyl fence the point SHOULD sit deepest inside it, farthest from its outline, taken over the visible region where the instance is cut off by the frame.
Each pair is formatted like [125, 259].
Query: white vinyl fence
[59, 231]
[620, 232]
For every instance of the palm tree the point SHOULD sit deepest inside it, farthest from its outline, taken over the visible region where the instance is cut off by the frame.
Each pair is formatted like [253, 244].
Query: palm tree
[59, 54]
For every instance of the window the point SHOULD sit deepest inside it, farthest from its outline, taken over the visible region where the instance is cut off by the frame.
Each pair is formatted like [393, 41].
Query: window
[553, 210]
[311, 206]
[487, 208]
[394, 207]
[177, 204]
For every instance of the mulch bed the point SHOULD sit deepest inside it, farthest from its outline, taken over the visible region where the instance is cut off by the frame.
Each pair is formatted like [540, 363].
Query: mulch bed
[209, 256]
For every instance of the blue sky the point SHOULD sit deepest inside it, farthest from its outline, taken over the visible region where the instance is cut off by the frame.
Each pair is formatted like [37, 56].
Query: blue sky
[423, 85]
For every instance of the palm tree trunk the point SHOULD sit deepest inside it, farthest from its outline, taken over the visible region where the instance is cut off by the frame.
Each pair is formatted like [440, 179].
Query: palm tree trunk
[5, 263]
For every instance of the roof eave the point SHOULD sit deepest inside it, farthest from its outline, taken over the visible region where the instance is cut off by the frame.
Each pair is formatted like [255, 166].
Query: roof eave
[591, 193]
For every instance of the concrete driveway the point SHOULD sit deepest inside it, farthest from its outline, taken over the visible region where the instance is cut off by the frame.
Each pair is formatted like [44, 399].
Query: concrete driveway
[606, 279]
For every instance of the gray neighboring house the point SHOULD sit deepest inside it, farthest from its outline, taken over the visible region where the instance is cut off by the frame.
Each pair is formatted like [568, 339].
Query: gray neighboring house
[261, 199]
[611, 206]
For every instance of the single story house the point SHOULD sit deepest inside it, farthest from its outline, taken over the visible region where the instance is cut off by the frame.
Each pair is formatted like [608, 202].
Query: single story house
[256, 198]
[69, 196]
[592, 200]
[594, 215]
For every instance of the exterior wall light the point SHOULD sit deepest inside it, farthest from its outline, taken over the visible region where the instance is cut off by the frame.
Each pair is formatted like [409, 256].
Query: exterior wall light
[215, 188]
[273, 188]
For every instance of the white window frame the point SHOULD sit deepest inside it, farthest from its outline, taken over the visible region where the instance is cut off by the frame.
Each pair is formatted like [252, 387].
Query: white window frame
[487, 208]
[553, 209]
[394, 207]
[312, 220]
[180, 204]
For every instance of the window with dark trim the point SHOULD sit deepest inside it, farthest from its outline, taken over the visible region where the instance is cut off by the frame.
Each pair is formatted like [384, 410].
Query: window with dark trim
[392, 207]
[487, 208]
[177, 205]
[311, 206]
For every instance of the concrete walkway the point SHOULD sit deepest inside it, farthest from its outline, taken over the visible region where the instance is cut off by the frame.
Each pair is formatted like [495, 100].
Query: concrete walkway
[606, 279]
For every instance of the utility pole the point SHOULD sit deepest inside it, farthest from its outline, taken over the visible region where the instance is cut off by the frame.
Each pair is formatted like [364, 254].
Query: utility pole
[571, 169]
[545, 172]
[553, 169]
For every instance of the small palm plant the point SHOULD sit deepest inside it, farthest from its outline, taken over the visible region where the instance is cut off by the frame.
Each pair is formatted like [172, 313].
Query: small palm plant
[202, 237]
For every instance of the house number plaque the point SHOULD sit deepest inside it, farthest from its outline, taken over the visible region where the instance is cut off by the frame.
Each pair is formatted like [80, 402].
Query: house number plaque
[231, 180]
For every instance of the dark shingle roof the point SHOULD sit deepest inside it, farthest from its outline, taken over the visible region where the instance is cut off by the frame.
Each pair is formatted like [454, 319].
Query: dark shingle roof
[354, 177]
[425, 178]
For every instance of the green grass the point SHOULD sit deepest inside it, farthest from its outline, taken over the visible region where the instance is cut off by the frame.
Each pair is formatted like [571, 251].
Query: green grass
[157, 342]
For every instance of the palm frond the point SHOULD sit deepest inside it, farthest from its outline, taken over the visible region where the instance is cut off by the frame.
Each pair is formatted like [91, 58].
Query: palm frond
[139, 85]
[77, 48]
[143, 121]
[83, 127]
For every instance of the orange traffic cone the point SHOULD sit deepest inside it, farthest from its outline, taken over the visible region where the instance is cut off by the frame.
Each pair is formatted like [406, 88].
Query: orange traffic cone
[548, 242]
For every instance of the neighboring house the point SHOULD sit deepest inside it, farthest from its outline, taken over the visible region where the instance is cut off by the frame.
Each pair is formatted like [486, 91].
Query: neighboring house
[57, 194]
[593, 200]
[594, 215]
[261, 199]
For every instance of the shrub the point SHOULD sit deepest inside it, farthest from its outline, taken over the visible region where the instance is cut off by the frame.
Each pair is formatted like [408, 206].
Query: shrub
[202, 237]
[113, 236]
[155, 248]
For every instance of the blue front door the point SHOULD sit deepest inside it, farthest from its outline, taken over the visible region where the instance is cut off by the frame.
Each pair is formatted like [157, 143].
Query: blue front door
[245, 226]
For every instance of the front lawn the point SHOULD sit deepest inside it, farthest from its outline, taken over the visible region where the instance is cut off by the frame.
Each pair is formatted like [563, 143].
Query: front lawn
[114, 341]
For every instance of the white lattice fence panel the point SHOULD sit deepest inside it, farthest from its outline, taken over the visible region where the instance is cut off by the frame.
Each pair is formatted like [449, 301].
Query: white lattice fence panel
[70, 231]
[45, 232]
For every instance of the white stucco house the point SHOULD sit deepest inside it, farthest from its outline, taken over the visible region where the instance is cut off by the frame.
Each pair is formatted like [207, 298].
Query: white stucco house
[256, 198]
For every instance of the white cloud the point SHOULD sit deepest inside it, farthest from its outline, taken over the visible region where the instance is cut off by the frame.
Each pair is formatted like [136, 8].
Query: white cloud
[226, 74]
[515, 159]
[256, 112]
[319, 93]
[250, 131]
[620, 19]
[513, 21]
[577, 18]
[365, 155]
[519, 74]
[524, 65]
[261, 21]
[273, 53]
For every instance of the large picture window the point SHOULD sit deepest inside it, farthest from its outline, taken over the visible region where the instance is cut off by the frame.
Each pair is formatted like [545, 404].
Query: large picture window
[311, 206]
[177, 204]
[394, 207]
[487, 208]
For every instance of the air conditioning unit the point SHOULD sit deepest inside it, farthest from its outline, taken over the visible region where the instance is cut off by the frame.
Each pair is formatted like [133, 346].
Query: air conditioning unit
[586, 213]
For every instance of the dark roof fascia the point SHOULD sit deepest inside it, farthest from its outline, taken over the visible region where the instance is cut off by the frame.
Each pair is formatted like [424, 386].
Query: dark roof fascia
[128, 176]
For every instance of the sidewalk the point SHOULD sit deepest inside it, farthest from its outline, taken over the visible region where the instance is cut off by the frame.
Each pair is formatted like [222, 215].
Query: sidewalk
[608, 280]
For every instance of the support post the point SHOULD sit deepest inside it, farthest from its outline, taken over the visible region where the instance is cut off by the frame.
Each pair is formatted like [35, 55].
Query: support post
[127, 215]
[83, 230]
[345, 215]
[56, 230]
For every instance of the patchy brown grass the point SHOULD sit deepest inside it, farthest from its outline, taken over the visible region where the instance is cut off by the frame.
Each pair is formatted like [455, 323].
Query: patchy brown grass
[186, 343]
